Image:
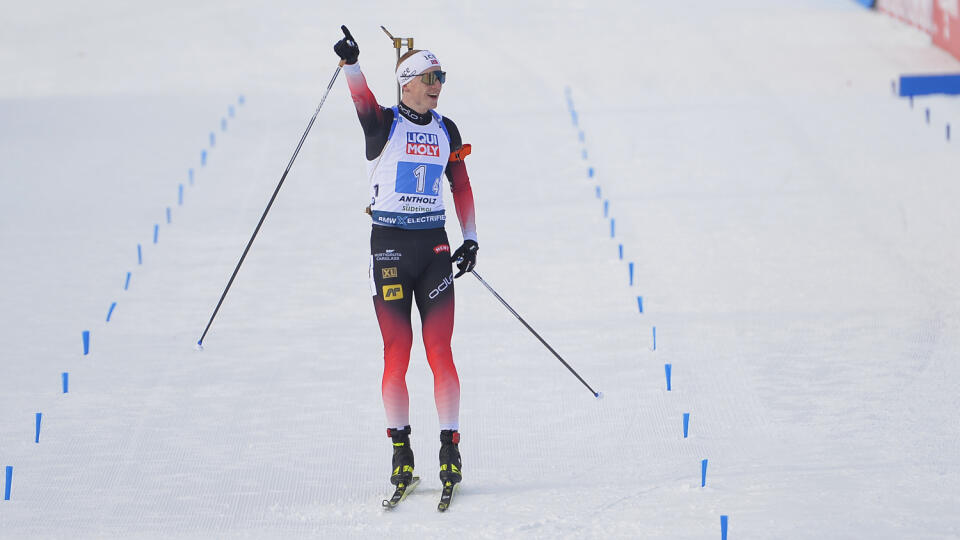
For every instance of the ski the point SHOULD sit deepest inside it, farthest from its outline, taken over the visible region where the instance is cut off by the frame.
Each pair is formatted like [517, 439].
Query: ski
[400, 493]
[446, 496]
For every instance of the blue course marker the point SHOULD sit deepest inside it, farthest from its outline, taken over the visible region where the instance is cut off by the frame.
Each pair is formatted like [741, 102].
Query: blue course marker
[168, 215]
[621, 251]
[8, 483]
[920, 85]
[230, 111]
[36, 437]
[948, 132]
[686, 424]
[139, 254]
[573, 115]
[630, 271]
[213, 140]
[580, 135]
[640, 303]
[668, 368]
[180, 194]
[190, 176]
[598, 192]
[223, 124]
[612, 228]
[203, 158]
[241, 100]
[66, 382]
[724, 520]
[110, 311]
[590, 172]
[654, 338]
[606, 208]
[156, 233]
[583, 153]
[126, 284]
[86, 342]
[703, 473]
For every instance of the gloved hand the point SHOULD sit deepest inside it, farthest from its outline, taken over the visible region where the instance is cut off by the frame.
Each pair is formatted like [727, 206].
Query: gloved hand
[466, 257]
[347, 48]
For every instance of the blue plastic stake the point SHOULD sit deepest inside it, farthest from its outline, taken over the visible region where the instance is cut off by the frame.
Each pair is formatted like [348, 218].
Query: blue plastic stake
[180, 194]
[583, 153]
[139, 254]
[654, 338]
[126, 284]
[156, 233]
[36, 437]
[223, 124]
[86, 342]
[630, 267]
[168, 214]
[580, 135]
[241, 100]
[190, 175]
[686, 424]
[621, 251]
[927, 112]
[110, 311]
[203, 158]
[598, 192]
[590, 172]
[948, 132]
[606, 208]
[573, 115]
[230, 111]
[703, 473]
[723, 527]
[66, 382]
[213, 140]
[8, 483]
[640, 303]
[612, 228]
[668, 368]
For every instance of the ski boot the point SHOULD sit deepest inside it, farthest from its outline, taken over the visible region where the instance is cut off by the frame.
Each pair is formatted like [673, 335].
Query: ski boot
[402, 456]
[449, 457]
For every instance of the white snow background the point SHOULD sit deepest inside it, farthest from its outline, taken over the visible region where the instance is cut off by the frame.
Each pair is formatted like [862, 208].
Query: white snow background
[792, 223]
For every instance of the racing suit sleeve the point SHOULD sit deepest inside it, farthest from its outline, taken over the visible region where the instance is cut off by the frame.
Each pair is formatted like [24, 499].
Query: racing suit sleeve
[374, 119]
[456, 172]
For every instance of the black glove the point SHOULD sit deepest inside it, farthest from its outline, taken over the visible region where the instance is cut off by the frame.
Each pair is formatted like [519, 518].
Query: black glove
[347, 48]
[466, 257]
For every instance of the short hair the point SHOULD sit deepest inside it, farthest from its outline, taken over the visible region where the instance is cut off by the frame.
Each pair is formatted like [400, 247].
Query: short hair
[406, 55]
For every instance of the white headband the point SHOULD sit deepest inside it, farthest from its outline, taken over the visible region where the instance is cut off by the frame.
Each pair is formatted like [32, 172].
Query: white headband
[413, 67]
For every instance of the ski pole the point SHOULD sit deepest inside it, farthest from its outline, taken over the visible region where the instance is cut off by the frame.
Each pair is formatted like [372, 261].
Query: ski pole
[269, 204]
[534, 332]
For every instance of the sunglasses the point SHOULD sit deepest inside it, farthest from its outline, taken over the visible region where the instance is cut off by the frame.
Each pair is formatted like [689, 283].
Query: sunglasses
[434, 76]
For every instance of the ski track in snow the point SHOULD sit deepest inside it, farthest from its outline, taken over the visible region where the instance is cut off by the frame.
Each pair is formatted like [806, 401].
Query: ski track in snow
[791, 225]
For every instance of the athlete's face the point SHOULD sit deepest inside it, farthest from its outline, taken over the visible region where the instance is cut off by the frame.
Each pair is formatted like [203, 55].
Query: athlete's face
[422, 97]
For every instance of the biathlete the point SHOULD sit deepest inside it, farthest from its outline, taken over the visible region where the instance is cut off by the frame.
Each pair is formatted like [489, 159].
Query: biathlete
[409, 149]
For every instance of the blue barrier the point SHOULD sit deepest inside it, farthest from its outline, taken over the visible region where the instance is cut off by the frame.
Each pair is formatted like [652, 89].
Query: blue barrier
[921, 85]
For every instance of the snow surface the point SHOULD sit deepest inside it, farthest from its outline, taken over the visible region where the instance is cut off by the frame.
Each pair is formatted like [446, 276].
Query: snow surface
[792, 223]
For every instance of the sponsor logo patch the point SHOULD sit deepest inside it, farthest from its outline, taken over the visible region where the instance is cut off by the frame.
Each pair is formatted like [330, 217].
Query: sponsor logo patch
[423, 144]
[447, 282]
[389, 272]
[442, 247]
[392, 292]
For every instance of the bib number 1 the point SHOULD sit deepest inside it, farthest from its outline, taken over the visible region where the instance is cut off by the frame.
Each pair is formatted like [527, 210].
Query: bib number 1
[418, 178]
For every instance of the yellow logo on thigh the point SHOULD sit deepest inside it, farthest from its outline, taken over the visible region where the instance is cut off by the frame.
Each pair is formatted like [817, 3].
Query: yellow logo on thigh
[392, 292]
[390, 272]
